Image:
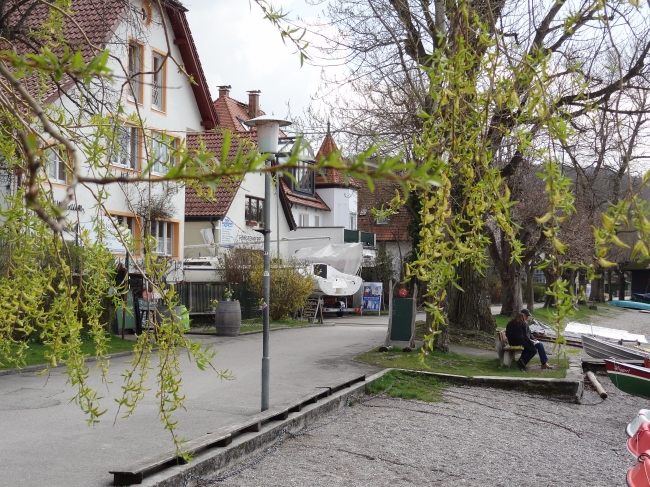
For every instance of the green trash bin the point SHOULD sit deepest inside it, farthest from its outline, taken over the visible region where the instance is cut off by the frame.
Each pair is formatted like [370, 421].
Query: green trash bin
[129, 322]
[402, 318]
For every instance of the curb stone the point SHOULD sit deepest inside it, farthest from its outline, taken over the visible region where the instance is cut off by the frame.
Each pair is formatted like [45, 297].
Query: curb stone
[571, 387]
[249, 445]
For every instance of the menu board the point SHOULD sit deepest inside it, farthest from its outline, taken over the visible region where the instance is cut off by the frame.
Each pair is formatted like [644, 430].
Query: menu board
[310, 310]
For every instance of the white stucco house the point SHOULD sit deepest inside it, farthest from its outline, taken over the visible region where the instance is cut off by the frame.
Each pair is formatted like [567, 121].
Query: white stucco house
[160, 106]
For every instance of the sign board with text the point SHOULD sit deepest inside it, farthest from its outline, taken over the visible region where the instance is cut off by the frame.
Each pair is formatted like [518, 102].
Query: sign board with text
[227, 233]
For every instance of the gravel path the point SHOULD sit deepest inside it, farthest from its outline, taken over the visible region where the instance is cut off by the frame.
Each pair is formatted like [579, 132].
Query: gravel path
[623, 319]
[477, 437]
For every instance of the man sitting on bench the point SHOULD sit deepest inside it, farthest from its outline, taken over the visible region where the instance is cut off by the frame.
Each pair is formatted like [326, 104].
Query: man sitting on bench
[518, 333]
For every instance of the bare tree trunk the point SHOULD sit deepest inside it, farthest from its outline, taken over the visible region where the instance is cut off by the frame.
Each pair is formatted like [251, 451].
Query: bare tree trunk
[549, 301]
[511, 296]
[470, 308]
[609, 285]
[441, 340]
[621, 285]
[582, 283]
[598, 290]
[530, 292]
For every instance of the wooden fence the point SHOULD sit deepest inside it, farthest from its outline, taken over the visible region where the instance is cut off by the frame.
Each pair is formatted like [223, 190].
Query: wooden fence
[196, 297]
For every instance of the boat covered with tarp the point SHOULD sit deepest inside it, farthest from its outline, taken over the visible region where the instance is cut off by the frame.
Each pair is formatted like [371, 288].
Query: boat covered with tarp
[335, 268]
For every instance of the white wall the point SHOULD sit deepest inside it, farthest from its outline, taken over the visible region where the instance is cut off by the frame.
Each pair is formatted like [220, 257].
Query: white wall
[181, 114]
[342, 202]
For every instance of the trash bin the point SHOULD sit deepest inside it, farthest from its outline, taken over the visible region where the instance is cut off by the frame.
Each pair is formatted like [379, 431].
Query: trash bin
[402, 317]
[128, 315]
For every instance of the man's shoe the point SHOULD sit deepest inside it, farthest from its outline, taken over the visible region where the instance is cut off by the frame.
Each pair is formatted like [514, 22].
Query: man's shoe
[546, 366]
[521, 365]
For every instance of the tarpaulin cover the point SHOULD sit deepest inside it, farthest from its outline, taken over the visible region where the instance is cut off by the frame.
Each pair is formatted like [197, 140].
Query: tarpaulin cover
[344, 258]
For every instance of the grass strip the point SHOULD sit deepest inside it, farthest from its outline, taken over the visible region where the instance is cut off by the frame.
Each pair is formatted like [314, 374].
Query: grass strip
[35, 354]
[407, 386]
[454, 363]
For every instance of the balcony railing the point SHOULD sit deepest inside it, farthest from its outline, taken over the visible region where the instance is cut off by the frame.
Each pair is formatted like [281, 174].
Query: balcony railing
[353, 236]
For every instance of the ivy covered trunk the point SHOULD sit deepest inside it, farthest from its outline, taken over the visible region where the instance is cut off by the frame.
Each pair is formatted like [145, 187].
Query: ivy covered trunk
[470, 308]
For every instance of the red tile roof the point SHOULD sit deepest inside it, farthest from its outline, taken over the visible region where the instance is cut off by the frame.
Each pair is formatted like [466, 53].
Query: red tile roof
[229, 110]
[298, 199]
[332, 177]
[327, 146]
[396, 228]
[219, 204]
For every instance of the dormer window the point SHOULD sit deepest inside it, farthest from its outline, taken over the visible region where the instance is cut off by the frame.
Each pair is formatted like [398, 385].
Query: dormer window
[304, 182]
[304, 177]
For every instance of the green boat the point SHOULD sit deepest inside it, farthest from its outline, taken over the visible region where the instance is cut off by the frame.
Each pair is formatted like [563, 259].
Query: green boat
[629, 378]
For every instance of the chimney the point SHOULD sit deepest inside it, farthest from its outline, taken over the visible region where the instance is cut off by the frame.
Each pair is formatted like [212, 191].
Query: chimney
[224, 90]
[253, 103]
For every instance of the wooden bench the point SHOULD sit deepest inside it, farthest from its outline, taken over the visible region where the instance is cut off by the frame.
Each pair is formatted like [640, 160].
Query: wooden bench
[506, 352]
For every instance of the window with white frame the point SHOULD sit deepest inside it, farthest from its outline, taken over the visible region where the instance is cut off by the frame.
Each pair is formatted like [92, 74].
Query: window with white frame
[163, 232]
[158, 82]
[135, 68]
[162, 148]
[55, 166]
[127, 222]
[126, 148]
[353, 221]
[304, 219]
[316, 220]
[381, 220]
[254, 211]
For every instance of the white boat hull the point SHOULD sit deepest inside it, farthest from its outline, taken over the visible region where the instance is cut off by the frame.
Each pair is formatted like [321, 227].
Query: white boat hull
[642, 417]
[330, 282]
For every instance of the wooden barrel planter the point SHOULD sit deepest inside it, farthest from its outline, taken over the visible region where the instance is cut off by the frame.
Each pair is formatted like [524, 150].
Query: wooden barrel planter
[228, 318]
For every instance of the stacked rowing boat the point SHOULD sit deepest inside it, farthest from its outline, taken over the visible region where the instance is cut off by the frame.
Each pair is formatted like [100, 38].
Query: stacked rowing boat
[638, 445]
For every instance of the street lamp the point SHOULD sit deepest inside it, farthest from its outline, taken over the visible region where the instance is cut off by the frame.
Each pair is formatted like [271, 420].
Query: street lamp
[268, 132]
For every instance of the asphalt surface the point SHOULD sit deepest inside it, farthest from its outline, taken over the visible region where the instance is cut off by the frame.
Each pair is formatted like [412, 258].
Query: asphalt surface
[46, 441]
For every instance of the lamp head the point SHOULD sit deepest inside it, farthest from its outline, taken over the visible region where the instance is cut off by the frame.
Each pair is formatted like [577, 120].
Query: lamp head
[268, 131]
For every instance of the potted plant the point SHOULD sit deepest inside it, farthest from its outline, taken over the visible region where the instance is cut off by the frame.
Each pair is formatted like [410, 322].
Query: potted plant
[228, 316]
[227, 293]
[214, 303]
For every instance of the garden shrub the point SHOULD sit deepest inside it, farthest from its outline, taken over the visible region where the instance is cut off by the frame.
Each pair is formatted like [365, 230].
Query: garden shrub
[289, 287]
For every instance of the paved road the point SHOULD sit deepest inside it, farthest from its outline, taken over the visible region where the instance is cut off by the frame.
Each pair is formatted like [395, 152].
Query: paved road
[46, 442]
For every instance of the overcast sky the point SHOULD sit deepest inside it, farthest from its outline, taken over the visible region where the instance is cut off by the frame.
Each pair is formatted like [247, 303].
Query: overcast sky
[238, 47]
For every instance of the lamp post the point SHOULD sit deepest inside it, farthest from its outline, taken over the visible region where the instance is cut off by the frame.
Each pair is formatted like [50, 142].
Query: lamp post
[268, 131]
